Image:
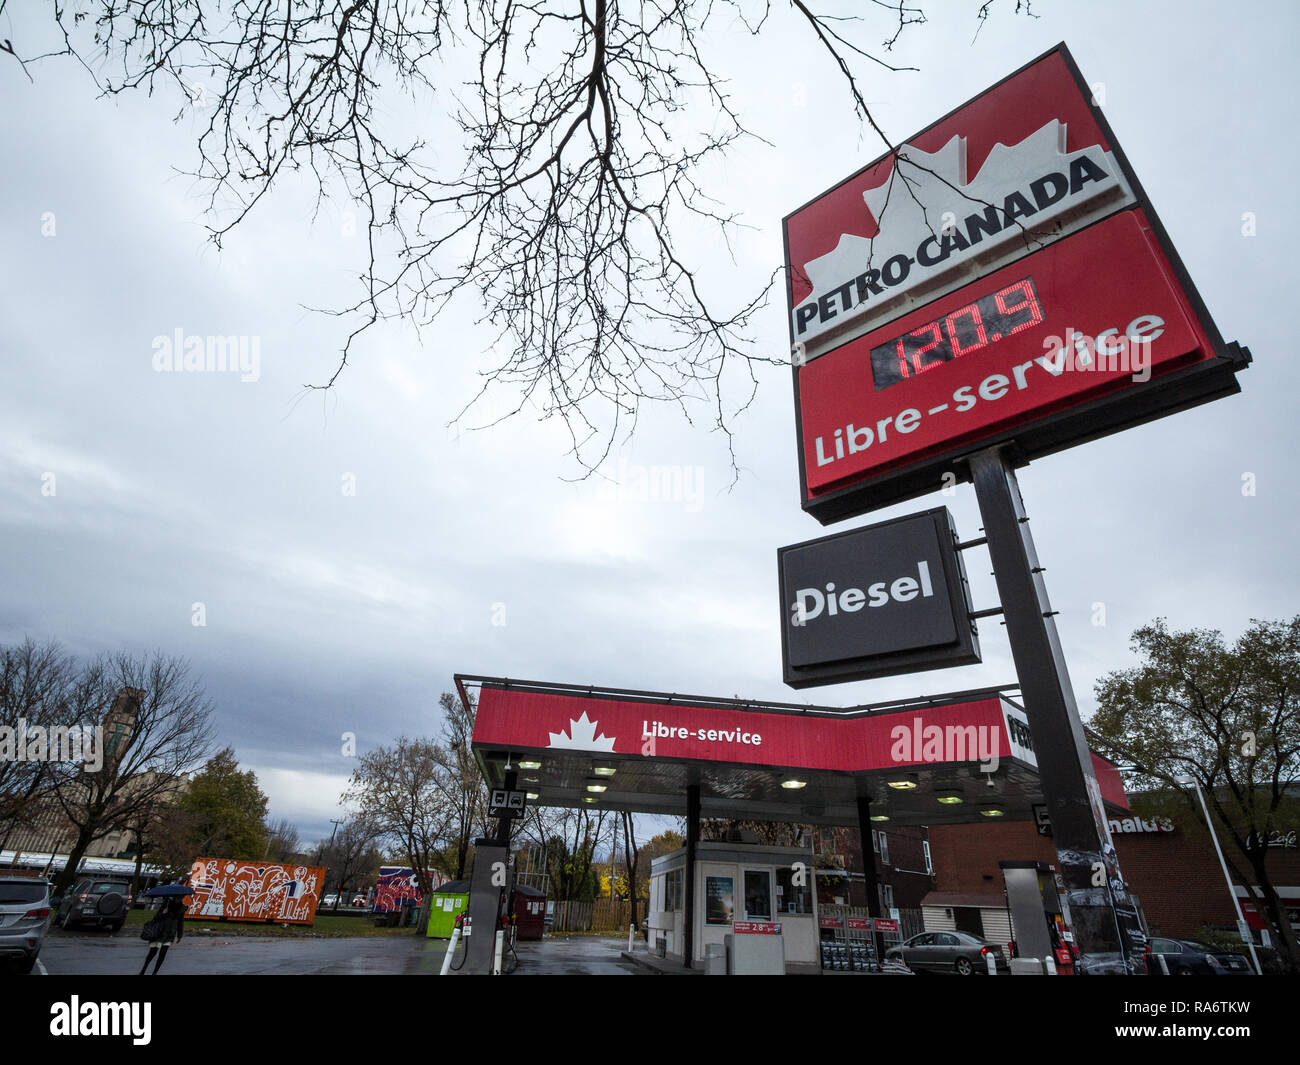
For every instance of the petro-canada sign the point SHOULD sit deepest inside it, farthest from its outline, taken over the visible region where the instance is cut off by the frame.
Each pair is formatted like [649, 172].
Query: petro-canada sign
[1000, 279]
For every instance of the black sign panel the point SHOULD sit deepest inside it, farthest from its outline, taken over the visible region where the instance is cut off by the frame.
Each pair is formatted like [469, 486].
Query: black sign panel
[882, 600]
[508, 804]
[1042, 819]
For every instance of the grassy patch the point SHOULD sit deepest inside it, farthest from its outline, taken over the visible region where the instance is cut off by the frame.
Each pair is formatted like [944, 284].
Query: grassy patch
[326, 925]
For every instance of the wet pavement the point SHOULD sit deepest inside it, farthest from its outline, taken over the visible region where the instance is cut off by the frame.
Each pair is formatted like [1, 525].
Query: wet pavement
[575, 956]
[198, 954]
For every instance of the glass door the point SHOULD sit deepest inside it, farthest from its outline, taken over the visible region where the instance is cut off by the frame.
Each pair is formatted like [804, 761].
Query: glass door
[758, 894]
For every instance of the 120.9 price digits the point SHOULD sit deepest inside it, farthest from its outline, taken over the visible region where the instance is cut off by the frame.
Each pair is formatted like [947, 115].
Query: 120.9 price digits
[977, 325]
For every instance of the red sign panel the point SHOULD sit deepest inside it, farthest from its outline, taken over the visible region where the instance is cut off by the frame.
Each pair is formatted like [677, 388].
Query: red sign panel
[1000, 278]
[525, 720]
[1059, 330]
[755, 928]
[860, 924]
[884, 924]
[518, 720]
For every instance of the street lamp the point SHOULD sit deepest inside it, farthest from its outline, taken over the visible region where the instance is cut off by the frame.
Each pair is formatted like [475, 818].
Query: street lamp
[1241, 918]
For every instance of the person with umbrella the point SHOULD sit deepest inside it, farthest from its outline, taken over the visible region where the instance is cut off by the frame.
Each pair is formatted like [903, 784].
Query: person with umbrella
[167, 926]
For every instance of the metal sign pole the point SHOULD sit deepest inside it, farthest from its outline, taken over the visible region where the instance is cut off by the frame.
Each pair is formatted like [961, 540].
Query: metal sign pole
[1103, 917]
[869, 878]
[692, 844]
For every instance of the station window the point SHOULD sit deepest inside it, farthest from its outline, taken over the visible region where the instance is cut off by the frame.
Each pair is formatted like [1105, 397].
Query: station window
[886, 897]
[674, 895]
[884, 848]
[792, 897]
[925, 851]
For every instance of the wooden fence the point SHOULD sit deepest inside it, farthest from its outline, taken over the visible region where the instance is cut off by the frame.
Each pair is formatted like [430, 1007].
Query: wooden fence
[603, 915]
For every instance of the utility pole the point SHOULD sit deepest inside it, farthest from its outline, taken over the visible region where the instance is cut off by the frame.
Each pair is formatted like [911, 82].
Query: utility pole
[320, 855]
[1214, 835]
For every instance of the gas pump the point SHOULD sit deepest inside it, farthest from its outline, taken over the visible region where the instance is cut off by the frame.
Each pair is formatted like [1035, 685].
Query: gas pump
[460, 930]
[487, 896]
[506, 959]
[1062, 944]
[1043, 940]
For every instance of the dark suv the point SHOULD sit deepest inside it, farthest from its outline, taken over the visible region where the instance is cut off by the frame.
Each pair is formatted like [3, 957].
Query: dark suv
[94, 901]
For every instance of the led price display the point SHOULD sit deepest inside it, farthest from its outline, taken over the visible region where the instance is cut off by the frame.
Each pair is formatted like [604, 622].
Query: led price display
[971, 328]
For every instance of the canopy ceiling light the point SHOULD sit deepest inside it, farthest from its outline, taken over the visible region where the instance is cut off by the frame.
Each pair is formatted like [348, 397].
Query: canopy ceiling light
[949, 798]
[906, 782]
[794, 785]
[530, 765]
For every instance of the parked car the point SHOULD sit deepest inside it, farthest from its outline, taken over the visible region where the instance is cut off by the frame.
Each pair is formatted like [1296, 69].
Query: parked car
[358, 900]
[948, 952]
[329, 900]
[94, 901]
[1187, 957]
[24, 919]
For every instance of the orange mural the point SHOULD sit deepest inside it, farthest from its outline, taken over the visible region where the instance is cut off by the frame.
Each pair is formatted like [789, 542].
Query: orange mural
[225, 888]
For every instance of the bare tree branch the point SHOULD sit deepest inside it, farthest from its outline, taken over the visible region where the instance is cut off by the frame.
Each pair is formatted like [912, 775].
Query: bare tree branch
[566, 213]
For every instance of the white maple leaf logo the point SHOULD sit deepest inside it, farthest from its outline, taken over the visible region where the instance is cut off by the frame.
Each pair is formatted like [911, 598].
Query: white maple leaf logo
[937, 191]
[582, 737]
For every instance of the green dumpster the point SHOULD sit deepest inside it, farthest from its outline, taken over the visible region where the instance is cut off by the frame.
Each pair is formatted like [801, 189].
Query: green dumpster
[445, 903]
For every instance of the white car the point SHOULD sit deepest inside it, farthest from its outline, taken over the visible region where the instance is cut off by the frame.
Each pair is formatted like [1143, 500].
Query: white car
[24, 919]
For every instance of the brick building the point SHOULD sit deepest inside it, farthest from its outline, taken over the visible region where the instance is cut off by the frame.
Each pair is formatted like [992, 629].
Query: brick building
[1174, 873]
[902, 860]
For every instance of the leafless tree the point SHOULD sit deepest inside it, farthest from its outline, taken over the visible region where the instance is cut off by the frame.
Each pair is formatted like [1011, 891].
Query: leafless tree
[35, 681]
[535, 164]
[460, 781]
[165, 836]
[283, 844]
[569, 839]
[399, 791]
[157, 727]
[351, 855]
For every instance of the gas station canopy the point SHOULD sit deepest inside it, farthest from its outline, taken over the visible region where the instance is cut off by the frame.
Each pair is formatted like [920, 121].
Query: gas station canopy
[945, 759]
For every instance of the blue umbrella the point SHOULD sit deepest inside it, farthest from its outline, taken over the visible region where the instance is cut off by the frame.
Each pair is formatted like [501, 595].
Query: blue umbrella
[169, 890]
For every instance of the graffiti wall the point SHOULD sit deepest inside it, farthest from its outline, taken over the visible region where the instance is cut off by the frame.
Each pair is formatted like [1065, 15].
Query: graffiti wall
[225, 888]
[397, 883]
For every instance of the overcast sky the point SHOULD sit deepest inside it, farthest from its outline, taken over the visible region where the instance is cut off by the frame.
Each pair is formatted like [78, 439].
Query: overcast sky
[328, 612]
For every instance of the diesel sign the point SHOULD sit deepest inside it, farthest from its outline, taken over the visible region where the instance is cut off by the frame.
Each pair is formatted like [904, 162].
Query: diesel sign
[810, 602]
[878, 601]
